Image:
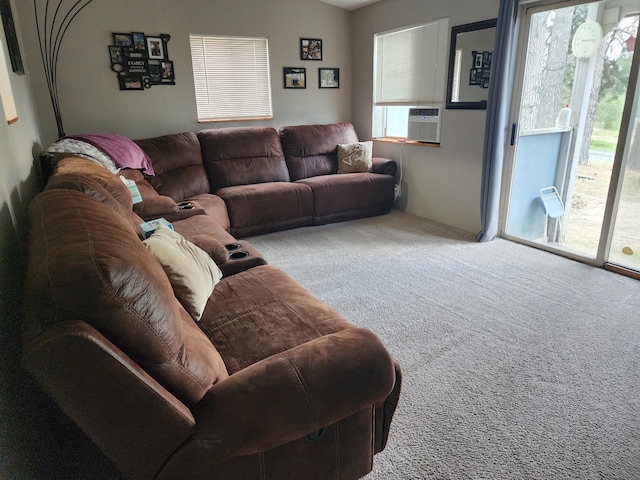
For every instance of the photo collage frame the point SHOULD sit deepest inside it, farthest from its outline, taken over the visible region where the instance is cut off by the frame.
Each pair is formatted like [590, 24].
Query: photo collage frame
[141, 60]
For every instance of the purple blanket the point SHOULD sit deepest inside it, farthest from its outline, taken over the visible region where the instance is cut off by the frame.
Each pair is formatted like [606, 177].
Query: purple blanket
[124, 152]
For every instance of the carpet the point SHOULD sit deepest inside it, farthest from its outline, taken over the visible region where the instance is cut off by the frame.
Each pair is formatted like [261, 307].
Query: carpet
[517, 363]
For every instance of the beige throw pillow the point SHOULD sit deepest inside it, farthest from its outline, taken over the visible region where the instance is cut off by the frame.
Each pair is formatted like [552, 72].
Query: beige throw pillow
[191, 271]
[355, 157]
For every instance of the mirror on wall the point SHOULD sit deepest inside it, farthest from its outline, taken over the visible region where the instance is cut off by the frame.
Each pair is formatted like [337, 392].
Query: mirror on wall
[470, 58]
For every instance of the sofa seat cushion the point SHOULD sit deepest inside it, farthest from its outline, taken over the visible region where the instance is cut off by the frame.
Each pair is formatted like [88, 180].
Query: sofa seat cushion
[242, 156]
[177, 163]
[312, 150]
[262, 312]
[267, 207]
[349, 195]
[215, 207]
[86, 263]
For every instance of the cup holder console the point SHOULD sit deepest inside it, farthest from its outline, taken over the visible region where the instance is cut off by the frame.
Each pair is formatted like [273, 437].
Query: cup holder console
[238, 255]
[185, 206]
[232, 246]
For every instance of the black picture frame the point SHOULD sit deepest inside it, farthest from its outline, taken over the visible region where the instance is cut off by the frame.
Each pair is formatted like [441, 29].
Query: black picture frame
[294, 77]
[12, 38]
[311, 49]
[116, 55]
[139, 42]
[156, 48]
[131, 82]
[328, 78]
[167, 72]
[123, 40]
[155, 74]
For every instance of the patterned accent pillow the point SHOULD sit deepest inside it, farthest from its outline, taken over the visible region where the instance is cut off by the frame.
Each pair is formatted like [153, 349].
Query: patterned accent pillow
[355, 157]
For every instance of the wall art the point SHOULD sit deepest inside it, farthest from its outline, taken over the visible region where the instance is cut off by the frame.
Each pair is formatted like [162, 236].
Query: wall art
[141, 60]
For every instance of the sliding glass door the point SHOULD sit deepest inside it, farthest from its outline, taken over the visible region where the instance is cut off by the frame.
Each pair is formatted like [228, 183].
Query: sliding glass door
[569, 136]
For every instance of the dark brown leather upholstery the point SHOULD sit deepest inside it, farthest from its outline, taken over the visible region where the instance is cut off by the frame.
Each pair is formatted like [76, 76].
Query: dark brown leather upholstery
[312, 150]
[177, 163]
[97, 269]
[270, 383]
[242, 156]
[267, 207]
[349, 195]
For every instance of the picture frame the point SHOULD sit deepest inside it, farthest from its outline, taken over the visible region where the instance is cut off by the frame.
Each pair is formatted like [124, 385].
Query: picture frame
[156, 48]
[295, 77]
[123, 40]
[166, 71]
[328, 78]
[311, 49]
[116, 55]
[155, 74]
[131, 82]
[138, 42]
[11, 36]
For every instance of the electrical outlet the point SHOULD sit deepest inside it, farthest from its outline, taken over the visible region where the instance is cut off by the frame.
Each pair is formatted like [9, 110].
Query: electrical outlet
[397, 191]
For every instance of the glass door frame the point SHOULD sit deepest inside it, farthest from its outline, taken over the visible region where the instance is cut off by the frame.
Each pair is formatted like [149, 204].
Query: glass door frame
[526, 11]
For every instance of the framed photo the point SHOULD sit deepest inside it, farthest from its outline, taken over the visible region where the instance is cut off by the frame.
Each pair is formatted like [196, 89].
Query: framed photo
[328, 78]
[115, 54]
[155, 74]
[131, 82]
[310, 49]
[138, 42]
[295, 77]
[123, 40]
[166, 69]
[156, 48]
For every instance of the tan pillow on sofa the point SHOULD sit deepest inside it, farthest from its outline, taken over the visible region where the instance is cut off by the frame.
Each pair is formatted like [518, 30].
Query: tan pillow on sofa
[355, 157]
[191, 271]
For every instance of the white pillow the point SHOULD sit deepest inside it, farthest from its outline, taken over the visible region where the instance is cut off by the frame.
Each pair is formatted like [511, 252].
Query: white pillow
[355, 157]
[191, 271]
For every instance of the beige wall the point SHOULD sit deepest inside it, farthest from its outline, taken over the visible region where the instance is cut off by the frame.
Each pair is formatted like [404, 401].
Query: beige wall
[90, 99]
[442, 183]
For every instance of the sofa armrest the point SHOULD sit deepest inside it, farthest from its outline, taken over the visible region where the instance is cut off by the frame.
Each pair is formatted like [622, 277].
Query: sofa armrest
[287, 396]
[384, 165]
[135, 421]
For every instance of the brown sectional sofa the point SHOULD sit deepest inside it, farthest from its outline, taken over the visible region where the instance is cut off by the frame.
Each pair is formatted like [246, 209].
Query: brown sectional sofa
[270, 383]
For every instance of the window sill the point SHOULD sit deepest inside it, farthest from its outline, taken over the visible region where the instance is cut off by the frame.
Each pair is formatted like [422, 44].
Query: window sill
[405, 142]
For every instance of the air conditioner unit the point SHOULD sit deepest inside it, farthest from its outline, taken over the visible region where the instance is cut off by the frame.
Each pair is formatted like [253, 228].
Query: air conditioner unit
[424, 124]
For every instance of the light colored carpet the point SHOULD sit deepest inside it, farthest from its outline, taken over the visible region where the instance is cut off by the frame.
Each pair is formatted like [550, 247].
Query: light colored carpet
[518, 364]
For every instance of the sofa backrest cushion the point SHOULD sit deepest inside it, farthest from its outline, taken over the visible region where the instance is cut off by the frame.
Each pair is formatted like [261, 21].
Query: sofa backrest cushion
[242, 156]
[312, 150]
[92, 179]
[177, 163]
[86, 263]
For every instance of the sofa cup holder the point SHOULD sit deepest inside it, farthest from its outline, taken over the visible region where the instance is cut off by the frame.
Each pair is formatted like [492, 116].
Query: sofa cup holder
[238, 255]
[185, 206]
[232, 246]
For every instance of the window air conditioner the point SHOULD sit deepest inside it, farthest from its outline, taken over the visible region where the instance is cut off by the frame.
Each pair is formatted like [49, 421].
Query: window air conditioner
[424, 124]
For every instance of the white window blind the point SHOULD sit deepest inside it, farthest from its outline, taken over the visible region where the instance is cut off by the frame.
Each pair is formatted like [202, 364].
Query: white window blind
[410, 65]
[231, 76]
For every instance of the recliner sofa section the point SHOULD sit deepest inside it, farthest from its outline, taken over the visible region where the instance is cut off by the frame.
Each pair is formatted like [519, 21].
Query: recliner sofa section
[269, 180]
[269, 383]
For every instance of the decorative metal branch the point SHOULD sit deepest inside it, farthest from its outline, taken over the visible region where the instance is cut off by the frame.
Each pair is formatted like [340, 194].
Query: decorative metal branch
[51, 31]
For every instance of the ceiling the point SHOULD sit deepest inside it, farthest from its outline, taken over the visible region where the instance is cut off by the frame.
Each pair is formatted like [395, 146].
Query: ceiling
[350, 4]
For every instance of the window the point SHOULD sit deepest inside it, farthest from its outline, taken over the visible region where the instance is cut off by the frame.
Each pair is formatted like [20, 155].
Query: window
[409, 71]
[6, 93]
[231, 76]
